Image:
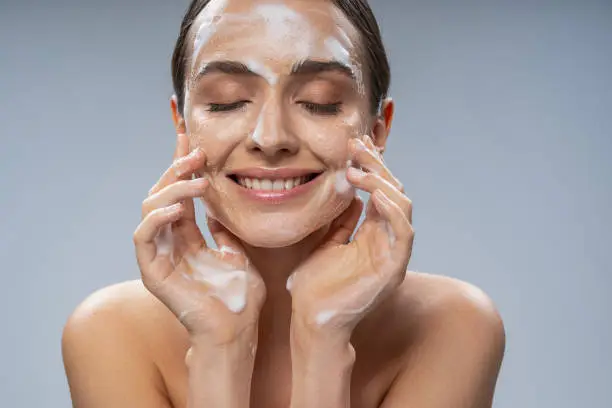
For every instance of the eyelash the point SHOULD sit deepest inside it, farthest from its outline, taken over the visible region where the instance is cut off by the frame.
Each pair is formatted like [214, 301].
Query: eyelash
[226, 107]
[329, 109]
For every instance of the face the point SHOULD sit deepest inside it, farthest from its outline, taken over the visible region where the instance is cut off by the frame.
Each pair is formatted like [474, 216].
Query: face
[274, 92]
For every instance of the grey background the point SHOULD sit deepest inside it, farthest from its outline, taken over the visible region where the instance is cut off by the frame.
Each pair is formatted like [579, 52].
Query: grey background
[502, 139]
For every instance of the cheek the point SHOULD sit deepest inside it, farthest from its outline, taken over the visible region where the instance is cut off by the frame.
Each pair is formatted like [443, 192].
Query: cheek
[329, 140]
[216, 136]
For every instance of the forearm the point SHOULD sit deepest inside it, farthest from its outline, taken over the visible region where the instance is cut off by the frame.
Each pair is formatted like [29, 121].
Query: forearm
[321, 368]
[220, 374]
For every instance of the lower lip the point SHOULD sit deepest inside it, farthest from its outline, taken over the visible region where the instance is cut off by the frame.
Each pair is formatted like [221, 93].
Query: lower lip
[269, 196]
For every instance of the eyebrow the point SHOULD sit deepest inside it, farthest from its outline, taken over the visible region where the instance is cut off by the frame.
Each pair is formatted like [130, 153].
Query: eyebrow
[303, 67]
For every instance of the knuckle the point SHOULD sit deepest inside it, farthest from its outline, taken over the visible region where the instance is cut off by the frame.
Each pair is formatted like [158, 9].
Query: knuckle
[136, 235]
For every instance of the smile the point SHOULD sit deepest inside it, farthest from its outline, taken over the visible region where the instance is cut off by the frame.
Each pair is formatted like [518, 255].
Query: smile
[275, 185]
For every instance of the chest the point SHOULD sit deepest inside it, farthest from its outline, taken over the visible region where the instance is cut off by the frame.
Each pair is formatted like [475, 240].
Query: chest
[271, 383]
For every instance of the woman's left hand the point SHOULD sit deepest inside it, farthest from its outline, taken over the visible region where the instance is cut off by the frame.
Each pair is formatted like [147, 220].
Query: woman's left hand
[342, 281]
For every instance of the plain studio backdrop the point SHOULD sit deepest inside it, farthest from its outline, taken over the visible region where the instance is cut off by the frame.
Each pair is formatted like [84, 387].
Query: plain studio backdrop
[502, 139]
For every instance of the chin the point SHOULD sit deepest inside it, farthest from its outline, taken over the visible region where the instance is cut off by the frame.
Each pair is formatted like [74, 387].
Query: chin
[279, 230]
[276, 231]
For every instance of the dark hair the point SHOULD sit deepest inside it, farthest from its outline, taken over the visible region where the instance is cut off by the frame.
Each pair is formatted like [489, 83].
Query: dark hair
[358, 12]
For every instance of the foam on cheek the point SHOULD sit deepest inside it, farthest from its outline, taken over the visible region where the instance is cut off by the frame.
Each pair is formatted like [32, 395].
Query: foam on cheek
[342, 185]
[226, 283]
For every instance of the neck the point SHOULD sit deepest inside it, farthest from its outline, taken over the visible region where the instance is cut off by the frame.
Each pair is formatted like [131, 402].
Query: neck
[275, 265]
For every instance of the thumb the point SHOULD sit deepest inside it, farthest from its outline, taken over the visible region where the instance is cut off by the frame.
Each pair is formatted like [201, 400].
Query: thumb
[342, 227]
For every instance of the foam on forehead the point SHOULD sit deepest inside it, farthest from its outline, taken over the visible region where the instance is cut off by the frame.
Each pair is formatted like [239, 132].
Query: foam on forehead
[281, 22]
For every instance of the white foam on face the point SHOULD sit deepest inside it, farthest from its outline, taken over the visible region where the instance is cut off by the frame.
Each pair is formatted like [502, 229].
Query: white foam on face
[342, 185]
[225, 282]
[207, 27]
[263, 71]
[257, 134]
[341, 53]
[282, 21]
[164, 242]
[337, 50]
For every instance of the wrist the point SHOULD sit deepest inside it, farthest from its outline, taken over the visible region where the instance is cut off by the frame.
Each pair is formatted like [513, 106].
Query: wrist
[322, 363]
[237, 347]
[220, 373]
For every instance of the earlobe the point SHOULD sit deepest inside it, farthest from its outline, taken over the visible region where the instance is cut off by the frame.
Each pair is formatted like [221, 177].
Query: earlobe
[177, 118]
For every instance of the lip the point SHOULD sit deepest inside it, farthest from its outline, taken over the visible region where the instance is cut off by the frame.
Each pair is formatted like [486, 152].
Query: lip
[276, 197]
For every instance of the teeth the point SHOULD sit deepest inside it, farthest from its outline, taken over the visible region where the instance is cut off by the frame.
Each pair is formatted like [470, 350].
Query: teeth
[271, 185]
[278, 185]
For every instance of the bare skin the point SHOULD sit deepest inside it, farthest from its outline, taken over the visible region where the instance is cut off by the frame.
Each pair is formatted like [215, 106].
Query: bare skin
[437, 340]
[290, 311]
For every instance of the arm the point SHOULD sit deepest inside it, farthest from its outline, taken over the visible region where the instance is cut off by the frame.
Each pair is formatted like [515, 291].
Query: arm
[220, 374]
[321, 367]
[455, 364]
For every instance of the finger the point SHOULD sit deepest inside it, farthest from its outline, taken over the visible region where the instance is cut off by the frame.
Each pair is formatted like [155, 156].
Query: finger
[402, 233]
[184, 190]
[342, 228]
[181, 169]
[370, 182]
[147, 230]
[225, 240]
[368, 157]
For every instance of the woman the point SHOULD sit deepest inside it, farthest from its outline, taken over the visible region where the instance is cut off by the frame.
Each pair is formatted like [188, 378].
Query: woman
[281, 115]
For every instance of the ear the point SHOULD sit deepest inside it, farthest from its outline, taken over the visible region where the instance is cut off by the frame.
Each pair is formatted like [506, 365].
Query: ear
[382, 124]
[177, 118]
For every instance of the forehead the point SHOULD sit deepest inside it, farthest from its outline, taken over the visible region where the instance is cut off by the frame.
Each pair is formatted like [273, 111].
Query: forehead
[273, 29]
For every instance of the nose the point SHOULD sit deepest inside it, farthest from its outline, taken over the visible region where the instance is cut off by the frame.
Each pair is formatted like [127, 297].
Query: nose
[271, 135]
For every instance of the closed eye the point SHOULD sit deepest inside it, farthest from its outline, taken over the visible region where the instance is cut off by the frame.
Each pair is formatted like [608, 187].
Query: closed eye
[322, 109]
[226, 107]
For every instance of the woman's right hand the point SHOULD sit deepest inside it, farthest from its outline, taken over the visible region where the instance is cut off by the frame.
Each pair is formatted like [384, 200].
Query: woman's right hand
[214, 293]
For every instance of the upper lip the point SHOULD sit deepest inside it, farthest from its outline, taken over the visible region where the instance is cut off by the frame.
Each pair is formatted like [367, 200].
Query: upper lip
[273, 174]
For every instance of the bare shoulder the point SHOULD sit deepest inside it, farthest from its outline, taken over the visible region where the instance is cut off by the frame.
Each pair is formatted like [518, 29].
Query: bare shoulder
[444, 297]
[108, 350]
[125, 302]
[436, 336]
